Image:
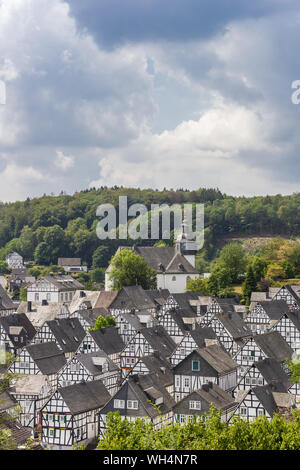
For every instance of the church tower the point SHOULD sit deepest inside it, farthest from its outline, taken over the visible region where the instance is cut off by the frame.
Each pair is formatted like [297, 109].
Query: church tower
[186, 247]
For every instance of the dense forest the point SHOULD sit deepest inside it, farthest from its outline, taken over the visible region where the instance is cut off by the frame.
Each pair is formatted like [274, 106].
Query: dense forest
[44, 228]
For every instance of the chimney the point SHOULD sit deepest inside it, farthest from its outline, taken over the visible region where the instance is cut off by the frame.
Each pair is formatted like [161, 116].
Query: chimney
[29, 306]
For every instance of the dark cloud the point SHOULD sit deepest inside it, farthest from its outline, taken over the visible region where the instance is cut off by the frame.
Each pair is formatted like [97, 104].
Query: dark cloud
[114, 22]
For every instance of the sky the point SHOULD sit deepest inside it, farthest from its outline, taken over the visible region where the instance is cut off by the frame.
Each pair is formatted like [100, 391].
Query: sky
[150, 94]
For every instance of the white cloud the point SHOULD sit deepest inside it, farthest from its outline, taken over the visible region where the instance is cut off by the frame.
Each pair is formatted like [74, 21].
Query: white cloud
[64, 162]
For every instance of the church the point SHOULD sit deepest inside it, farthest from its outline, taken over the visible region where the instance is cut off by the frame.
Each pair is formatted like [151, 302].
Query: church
[174, 265]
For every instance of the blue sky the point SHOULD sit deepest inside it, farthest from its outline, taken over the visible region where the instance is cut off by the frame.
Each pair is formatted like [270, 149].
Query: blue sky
[152, 93]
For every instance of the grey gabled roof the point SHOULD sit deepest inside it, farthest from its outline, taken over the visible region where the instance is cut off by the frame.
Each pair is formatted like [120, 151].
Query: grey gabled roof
[159, 296]
[160, 367]
[274, 345]
[85, 396]
[133, 297]
[267, 396]
[183, 301]
[18, 320]
[274, 309]
[272, 371]
[200, 334]
[68, 332]
[47, 356]
[147, 388]
[132, 319]
[210, 393]
[108, 339]
[87, 361]
[234, 324]
[159, 340]
[219, 359]
[5, 301]
[63, 282]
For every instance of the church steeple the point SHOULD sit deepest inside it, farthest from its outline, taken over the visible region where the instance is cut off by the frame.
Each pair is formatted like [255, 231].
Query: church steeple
[185, 246]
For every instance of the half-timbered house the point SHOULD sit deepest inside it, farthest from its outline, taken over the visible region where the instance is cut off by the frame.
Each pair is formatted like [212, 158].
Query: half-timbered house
[71, 415]
[198, 403]
[290, 294]
[289, 328]
[265, 314]
[42, 359]
[156, 364]
[31, 392]
[91, 366]
[141, 396]
[230, 329]
[16, 331]
[259, 347]
[177, 322]
[59, 288]
[145, 342]
[194, 339]
[264, 400]
[129, 323]
[207, 364]
[68, 333]
[107, 340]
[7, 307]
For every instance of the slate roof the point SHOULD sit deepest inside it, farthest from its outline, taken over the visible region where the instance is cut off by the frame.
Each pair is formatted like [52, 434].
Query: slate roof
[159, 340]
[69, 261]
[28, 384]
[210, 393]
[85, 396]
[183, 301]
[219, 359]
[39, 313]
[82, 296]
[234, 324]
[18, 432]
[7, 401]
[132, 319]
[63, 282]
[68, 332]
[133, 297]
[108, 339]
[158, 296]
[160, 367]
[273, 396]
[147, 388]
[87, 361]
[5, 301]
[274, 345]
[275, 308]
[47, 356]
[272, 371]
[18, 320]
[200, 335]
[162, 259]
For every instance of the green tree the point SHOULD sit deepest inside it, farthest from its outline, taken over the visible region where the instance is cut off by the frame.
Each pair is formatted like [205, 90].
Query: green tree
[198, 285]
[130, 269]
[103, 322]
[97, 275]
[233, 257]
[42, 254]
[249, 285]
[4, 269]
[101, 257]
[27, 242]
[220, 278]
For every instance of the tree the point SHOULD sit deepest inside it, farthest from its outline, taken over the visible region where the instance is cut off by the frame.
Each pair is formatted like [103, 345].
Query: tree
[98, 275]
[42, 254]
[197, 285]
[27, 242]
[233, 257]
[130, 269]
[275, 271]
[249, 285]
[101, 257]
[4, 269]
[205, 432]
[220, 278]
[103, 322]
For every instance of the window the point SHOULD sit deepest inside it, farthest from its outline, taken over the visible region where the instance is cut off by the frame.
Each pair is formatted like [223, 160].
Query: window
[187, 382]
[195, 405]
[48, 296]
[132, 404]
[119, 404]
[36, 297]
[243, 411]
[260, 412]
[195, 365]
[174, 278]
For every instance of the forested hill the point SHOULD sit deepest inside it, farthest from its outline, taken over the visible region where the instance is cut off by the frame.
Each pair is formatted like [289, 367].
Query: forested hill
[42, 229]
